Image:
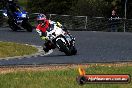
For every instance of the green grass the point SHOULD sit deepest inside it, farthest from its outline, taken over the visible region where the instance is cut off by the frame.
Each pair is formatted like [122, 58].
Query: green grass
[8, 49]
[65, 78]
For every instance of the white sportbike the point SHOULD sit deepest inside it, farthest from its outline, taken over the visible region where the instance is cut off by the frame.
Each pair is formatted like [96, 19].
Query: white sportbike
[61, 39]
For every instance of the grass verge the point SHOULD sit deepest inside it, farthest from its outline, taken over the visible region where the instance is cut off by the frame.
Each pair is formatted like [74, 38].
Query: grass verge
[59, 76]
[8, 49]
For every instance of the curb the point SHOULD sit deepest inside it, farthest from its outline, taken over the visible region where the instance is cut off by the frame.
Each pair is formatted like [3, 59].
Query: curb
[39, 53]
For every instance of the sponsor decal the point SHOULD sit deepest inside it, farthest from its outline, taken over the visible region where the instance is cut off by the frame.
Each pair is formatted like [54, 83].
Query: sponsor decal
[84, 78]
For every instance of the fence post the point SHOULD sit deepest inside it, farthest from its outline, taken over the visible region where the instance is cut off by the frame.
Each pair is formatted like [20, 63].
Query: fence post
[125, 16]
[124, 25]
[86, 22]
[49, 16]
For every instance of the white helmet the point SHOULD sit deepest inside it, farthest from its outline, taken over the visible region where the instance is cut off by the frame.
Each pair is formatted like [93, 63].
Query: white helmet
[10, 0]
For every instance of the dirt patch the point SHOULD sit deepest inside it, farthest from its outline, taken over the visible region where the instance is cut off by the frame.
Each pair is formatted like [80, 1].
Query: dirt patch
[35, 68]
[6, 69]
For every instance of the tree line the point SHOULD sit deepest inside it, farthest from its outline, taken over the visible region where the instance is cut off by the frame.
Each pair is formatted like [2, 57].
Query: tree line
[79, 7]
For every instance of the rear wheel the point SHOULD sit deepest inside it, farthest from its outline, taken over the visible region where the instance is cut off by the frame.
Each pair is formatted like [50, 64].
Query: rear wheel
[63, 48]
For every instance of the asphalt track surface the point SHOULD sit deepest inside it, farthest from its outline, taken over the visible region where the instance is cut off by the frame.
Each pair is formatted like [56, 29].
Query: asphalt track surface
[93, 47]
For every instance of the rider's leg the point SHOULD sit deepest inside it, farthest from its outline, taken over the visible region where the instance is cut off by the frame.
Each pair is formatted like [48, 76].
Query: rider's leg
[46, 46]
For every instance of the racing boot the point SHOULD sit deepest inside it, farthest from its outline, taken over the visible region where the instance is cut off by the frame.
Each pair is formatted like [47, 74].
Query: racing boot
[45, 49]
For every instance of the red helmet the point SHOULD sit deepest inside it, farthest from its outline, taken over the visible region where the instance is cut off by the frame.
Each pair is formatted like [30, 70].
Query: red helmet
[41, 18]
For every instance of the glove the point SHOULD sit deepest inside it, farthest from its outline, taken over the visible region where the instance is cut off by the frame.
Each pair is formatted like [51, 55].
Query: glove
[58, 24]
[44, 38]
[39, 32]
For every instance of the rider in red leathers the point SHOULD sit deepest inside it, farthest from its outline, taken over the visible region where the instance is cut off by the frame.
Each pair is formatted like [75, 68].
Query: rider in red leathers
[43, 25]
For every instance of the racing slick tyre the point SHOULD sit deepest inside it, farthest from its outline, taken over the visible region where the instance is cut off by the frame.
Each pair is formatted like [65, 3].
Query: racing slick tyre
[26, 25]
[63, 48]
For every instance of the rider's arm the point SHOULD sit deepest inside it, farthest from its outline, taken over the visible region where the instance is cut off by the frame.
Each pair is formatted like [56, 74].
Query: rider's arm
[41, 34]
[38, 30]
[46, 25]
[61, 26]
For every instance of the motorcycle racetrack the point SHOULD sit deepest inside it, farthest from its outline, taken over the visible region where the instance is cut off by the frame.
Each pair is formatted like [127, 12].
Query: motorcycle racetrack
[93, 47]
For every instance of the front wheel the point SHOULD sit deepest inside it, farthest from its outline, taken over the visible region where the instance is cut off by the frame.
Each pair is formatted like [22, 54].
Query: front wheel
[26, 25]
[12, 25]
[63, 47]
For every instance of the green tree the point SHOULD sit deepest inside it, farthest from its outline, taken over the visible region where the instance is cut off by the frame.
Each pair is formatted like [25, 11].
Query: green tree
[49, 6]
[79, 7]
[91, 8]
